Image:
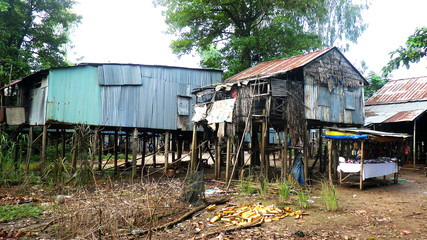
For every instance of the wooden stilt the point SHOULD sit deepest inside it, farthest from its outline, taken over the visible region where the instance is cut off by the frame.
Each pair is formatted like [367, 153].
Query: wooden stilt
[179, 148]
[217, 156]
[134, 145]
[264, 162]
[30, 144]
[228, 161]
[143, 151]
[194, 159]
[414, 144]
[154, 150]
[94, 148]
[167, 146]
[319, 153]
[127, 164]
[305, 152]
[116, 149]
[15, 154]
[361, 165]
[173, 146]
[255, 158]
[101, 149]
[63, 144]
[330, 160]
[334, 159]
[43, 153]
[285, 154]
[74, 158]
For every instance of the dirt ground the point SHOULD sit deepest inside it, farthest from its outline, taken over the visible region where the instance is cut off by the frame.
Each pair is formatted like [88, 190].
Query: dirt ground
[381, 211]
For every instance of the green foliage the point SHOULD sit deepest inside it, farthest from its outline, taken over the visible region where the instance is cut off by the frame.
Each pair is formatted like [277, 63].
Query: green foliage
[236, 34]
[375, 83]
[284, 191]
[247, 184]
[302, 197]
[329, 196]
[33, 35]
[14, 212]
[264, 188]
[415, 48]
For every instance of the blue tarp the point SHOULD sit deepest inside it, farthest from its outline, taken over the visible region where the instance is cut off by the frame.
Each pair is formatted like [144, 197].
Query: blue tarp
[362, 136]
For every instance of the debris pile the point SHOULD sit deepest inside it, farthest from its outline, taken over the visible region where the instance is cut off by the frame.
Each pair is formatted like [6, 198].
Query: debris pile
[252, 214]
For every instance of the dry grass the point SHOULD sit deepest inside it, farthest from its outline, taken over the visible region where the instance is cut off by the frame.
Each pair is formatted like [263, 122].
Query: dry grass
[115, 210]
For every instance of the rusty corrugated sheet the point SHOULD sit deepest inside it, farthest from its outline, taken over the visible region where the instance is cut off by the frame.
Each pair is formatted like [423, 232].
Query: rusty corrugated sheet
[405, 116]
[278, 66]
[401, 90]
[381, 113]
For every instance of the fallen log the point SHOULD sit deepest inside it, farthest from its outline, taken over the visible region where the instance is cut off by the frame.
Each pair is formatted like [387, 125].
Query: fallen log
[231, 229]
[205, 204]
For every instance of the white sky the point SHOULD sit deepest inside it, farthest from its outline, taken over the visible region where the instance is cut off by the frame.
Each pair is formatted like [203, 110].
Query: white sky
[133, 31]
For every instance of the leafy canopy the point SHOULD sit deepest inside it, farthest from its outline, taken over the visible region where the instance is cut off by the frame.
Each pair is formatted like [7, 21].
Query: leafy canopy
[33, 34]
[415, 48]
[375, 83]
[236, 34]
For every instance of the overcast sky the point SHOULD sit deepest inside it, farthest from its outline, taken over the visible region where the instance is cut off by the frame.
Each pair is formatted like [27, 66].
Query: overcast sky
[133, 31]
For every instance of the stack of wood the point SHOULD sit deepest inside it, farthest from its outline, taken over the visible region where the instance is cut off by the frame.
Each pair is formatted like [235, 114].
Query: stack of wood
[252, 214]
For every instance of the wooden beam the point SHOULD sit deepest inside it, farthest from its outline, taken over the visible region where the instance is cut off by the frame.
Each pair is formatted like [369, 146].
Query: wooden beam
[154, 150]
[285, 154]
[63, 134]
[74, 157]
[101, 149]
[414, 143]
[134, 151]
[127, 149]
[264, 164]
[217, 156]
[167, 146]
[143, 151]
[330, 160]
[43, 153]
[116, 149]
[194, 159]
[306, 149]
[94, 148]
[228, 160]
[361, 165]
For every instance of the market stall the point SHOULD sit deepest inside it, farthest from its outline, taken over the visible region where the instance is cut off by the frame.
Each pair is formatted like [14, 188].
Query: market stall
[366, 152]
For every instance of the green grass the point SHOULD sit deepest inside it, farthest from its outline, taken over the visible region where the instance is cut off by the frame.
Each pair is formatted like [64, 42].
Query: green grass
[14, 212]
[247, 184]
[302, 197]
[329, 196]
[284, 191]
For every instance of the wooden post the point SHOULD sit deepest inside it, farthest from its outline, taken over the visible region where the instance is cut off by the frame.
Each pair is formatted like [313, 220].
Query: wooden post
[194, 159]
[217, 157]
[63, 144]
[30, 144]
[15, 153]
[126, 150]
[285, 154]
[116, 157]
[173, 146]
[134, 144]
[255, 158]
[94, 148]
[179, 148]
[143, 151]
[228, 161]
[167, 146]
[330, 160]
[414, 143]
[305, 152]
[320, 153]
[154, 151]
[264, 165]
[43, 153]
[101, 149]
[75, 146]
[334, 159]
[361, 165]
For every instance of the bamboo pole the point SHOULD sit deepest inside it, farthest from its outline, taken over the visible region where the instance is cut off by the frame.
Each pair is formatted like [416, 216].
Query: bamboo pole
[134, 145]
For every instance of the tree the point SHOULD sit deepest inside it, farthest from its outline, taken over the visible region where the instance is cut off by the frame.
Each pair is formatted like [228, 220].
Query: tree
[415, 48]
[246, 32]
[375, 83]
[33, 34]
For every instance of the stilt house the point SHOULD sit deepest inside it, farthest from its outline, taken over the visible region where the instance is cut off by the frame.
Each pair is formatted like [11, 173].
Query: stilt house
[291, 95]
[110, 98]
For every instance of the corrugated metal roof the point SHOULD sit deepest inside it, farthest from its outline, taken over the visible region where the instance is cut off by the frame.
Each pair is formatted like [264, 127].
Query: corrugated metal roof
[401, 90]
[405, 116]
[278, 66]
[371, 132]
[384, 112]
